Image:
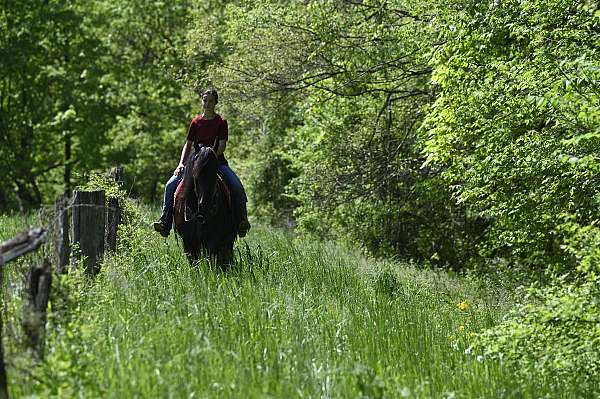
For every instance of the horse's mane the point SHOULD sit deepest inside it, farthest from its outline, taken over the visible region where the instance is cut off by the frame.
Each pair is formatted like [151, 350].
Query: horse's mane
[197, 159]
[196, 164]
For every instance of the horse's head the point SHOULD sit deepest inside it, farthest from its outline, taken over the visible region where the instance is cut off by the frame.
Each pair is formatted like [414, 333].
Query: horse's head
[200, 179]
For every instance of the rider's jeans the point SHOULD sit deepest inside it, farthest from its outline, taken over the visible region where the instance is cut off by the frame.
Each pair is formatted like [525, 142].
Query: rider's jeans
[168, 199]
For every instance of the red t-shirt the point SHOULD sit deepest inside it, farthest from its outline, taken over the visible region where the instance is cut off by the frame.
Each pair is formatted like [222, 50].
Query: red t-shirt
[207, 131]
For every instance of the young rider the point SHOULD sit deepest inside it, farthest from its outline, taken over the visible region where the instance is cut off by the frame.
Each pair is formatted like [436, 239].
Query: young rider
[208, 129]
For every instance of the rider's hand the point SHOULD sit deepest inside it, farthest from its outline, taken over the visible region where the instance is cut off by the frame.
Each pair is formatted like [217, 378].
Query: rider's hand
[179, 169]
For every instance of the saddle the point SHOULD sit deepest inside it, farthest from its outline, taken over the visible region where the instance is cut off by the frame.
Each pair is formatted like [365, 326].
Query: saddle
[179, 198]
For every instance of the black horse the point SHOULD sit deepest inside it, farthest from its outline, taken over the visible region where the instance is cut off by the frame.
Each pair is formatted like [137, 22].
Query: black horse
[203, 213]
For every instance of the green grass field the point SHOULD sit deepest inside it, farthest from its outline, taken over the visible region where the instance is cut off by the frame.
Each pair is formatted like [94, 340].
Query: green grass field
[295, 318]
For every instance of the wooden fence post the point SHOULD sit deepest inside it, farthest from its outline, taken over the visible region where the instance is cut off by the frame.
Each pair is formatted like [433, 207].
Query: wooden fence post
[113, 214]
[88, 228]
[34, 318]
[63, 248]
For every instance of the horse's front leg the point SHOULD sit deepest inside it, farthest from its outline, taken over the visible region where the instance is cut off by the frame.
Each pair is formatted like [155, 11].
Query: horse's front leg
[224, 257]
[191, 253]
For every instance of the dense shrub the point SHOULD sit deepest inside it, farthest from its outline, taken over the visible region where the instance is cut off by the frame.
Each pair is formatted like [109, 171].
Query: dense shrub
[555, 335]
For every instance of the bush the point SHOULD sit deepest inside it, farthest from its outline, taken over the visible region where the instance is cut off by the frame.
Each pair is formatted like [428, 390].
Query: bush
[555, 334]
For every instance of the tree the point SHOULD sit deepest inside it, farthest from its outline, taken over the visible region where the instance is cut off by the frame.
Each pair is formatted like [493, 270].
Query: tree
[516, 123]
[330, 96]
[87, 85]
[47, 79]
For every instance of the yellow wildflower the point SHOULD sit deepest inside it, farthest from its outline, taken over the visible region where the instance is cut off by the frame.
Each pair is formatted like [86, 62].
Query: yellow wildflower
[462, 305]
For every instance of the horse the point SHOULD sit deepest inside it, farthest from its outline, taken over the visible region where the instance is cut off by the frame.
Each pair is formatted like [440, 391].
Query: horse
[203, 210]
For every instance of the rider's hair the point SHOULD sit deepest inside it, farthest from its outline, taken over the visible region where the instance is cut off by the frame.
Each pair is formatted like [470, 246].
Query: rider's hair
[212, 92]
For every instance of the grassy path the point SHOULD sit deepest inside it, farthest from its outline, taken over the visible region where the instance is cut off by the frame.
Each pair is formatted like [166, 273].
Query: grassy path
[296, 319]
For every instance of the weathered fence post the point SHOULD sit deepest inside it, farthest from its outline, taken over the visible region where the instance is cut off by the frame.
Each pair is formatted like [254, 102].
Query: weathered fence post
[34, 318]
[88, 228]
[63, 248]
[113, 214]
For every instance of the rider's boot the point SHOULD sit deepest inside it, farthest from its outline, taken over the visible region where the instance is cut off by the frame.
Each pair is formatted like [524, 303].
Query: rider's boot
[163, 225]
[244, 226]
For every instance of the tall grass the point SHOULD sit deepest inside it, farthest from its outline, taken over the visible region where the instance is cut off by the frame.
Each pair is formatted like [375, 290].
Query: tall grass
[293, 318]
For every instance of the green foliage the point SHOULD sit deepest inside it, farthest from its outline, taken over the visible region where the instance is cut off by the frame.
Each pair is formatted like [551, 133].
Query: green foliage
[516, 123]
[462, 134]
[130, 213]
[48, 91]
[327, 97]
[555, 331]
[106, 183]
[68, 331]
[86, 86]
[326, 101]
[151, 106]
[516, 129]
[555, 335]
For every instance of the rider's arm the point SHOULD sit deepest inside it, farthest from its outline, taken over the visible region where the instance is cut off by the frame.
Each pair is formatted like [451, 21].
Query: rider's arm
[222, 137]
[221, 147]
[185, 152]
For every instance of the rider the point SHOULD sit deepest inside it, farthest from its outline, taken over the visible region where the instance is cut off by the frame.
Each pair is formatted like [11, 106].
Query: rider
[208, 129]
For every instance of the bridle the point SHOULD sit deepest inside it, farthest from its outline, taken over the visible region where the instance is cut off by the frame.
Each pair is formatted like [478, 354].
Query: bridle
[198, 214]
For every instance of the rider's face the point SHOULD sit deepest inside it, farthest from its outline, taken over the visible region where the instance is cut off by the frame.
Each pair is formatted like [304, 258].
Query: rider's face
[208, 102]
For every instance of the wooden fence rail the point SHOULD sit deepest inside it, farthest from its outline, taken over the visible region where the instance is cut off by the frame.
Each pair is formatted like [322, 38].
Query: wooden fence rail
[21, 244]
